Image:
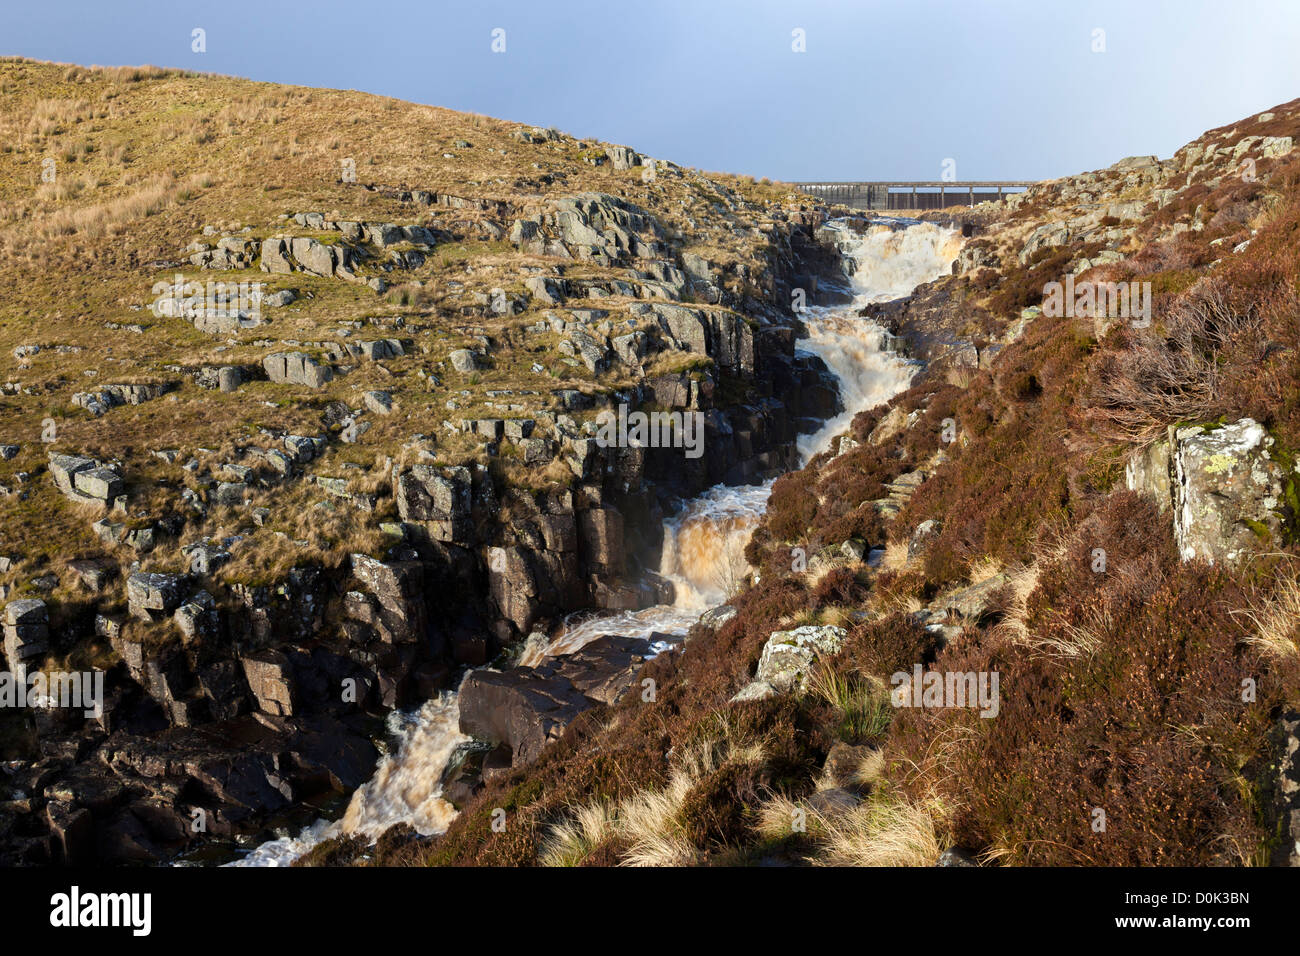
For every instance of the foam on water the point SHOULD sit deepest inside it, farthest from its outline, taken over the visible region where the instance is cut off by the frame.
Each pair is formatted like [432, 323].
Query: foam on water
[406, 786]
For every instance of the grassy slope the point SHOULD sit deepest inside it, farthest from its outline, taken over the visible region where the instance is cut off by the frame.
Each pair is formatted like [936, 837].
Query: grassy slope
[146, 158]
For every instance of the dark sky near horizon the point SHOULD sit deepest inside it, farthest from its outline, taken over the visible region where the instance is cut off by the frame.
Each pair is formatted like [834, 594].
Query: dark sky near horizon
[1006, 89]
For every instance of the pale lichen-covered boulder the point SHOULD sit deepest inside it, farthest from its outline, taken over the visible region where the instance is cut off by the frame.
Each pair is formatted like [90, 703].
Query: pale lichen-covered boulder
[296, 368]
[787, 658]
[150, 596]
[1223, 484]
[1147, 472]
[1226, 492]
[463, 360]
[1048, 235]
[26, 631]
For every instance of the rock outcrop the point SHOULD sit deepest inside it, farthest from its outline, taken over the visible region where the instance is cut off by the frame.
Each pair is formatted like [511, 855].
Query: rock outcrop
[526, 708]
[787, 658]
[1223, 485]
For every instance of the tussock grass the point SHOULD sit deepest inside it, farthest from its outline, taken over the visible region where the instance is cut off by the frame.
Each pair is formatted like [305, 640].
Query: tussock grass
[895, 556]
[115, 216]
[985, 568]
[1276, 619]
[885, 831]
[862, 703]
[881, 833]
[572, 840]
[649, 823]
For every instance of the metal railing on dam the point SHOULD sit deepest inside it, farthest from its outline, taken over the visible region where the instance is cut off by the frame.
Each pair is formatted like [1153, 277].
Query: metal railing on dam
[884, 196]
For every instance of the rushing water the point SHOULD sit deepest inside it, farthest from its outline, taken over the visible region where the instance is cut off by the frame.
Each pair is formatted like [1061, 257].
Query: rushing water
[703, 544]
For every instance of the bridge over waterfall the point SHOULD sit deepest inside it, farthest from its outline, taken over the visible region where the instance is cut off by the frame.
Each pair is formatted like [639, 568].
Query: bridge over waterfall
[884, 196]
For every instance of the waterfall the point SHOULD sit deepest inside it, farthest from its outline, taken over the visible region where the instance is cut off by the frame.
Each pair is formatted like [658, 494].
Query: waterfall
[406, 786]
[703, 549]
[704, 543]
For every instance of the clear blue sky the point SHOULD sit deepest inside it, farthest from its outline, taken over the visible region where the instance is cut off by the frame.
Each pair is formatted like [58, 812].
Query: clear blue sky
[885, 90]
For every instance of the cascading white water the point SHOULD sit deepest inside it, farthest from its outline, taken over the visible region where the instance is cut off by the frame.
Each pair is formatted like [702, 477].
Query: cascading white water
[704, 543]
[889, 263]
[703, 550]
[406, 786]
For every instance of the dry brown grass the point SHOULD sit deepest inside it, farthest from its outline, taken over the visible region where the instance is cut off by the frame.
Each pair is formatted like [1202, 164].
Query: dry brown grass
[571, 841]
[114, 217]
[883, 831]
[895, 556]
[1276, 619]
[984, 568]
[648, 824]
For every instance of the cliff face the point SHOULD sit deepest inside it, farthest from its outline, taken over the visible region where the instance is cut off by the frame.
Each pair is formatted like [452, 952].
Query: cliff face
[296, 427]
[1039, 608]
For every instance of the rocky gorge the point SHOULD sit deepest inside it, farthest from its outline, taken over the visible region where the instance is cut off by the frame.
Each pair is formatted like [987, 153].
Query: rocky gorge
[367, 586]
[235, 697]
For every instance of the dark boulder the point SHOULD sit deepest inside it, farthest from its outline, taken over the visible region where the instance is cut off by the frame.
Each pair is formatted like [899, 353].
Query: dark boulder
[527, 707]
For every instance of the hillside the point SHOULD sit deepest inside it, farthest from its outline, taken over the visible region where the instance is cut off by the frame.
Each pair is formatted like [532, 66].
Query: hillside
[1097, 508]
[377, 486]
[272, 519]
